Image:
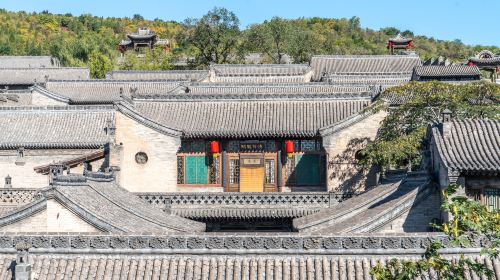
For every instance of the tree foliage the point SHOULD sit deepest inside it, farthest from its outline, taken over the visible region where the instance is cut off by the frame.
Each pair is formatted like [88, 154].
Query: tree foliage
[213, 38]
[469, 221]
[215, 35]
[402, 134]
[99, 65]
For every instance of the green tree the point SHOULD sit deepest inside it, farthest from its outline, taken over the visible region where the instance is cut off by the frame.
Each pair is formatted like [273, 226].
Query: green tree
[402, 134]
[469, 220]
[99, 65]
[271, 38]
[215, 36]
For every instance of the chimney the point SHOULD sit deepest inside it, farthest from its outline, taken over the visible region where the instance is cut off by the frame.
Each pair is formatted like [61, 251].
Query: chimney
[8, 182]
[110, 127]
[23, 266]
[55, 170]
[446, 123]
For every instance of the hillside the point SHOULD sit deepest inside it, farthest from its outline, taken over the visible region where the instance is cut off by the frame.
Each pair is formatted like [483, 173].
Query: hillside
[73, 39]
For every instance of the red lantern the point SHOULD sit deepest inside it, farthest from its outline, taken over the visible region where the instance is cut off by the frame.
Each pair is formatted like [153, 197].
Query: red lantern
[470, 64]
[289, 147]
[214, 148]
[410, 45]
[389, 45]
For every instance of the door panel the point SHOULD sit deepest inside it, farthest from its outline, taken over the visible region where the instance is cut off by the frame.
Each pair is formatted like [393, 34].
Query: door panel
[252, 179]
[307, 169]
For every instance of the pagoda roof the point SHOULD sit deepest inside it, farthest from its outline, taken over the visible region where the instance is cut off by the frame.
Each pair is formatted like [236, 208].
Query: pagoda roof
[141, 36]
[399, 39]
[485, 58]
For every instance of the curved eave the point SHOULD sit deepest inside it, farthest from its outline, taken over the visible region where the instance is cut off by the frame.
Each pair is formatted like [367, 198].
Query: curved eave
[55, 145]
[130, 112]
[246, 134]
[329, 130]
[23, 212]
[50, 94]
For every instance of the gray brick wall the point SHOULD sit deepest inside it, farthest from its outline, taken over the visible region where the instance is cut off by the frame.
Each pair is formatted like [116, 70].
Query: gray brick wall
[418, 218]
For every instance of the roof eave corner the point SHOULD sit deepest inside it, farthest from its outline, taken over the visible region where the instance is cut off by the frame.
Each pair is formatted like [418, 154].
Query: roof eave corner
[128, 110]
[346, 123]
[50, 94]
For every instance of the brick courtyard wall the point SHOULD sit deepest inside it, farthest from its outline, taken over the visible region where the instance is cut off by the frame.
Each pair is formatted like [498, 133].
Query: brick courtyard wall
[418, 218]
[343, 170]
[159, 173]
[55, 218]
[38, 99]
[21, 169]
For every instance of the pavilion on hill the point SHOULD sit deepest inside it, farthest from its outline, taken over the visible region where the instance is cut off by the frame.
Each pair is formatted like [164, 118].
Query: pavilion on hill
[143, 38]
[487, 61]
[399, 43]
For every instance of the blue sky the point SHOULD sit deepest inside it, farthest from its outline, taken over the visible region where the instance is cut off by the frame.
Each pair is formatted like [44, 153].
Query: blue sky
[472, 21]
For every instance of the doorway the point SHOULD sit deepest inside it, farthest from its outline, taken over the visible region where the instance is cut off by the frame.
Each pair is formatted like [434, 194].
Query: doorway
[252, 173]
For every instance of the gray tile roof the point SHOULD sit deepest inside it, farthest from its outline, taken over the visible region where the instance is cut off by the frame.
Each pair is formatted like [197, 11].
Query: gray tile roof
[30, 76]
[385, 64]
[106, 91]
[122, 211]
[256, 70]
[260, 73]
[28, 61]
[220, 267]
[367, 79]
[470, 145]
[172, 75]
[259, 79]
[15, 97]
[54, 127]
[104, 205]
[274, 118]
[213, 88]
[396, 99]
[452, 71]
[370, 210]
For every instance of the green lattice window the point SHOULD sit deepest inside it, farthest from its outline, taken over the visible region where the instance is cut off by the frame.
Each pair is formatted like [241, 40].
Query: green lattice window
[492, 198]
[196, 170]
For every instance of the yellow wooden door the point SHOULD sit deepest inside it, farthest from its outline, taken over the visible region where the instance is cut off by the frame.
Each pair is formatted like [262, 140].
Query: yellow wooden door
[252, 179]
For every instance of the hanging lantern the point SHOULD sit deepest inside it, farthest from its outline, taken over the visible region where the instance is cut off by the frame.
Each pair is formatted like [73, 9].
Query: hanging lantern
[470, 64]
[410, 45]
[289, 148]
[214, 148]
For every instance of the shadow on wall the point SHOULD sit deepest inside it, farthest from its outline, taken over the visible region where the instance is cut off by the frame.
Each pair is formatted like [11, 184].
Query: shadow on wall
[345, 169]
[424, 213]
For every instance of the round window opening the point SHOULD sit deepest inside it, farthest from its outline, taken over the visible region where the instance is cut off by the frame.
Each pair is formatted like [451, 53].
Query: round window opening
[141, 158]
